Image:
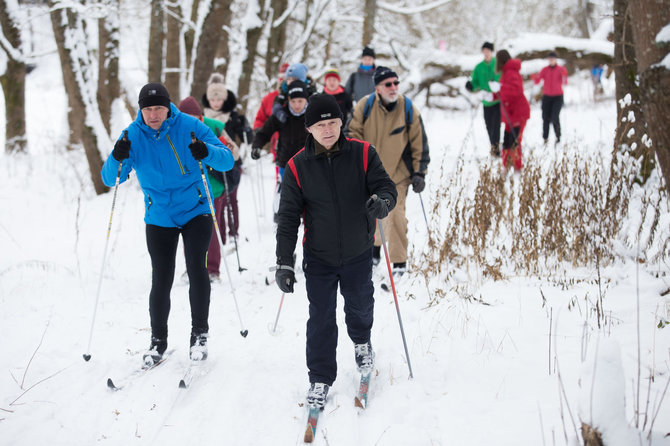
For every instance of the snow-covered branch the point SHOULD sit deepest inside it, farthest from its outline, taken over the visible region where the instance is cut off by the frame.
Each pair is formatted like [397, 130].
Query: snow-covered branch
[409, 11]
[286, 14]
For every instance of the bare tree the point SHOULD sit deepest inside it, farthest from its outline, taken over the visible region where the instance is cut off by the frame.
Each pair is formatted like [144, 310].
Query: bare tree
[156, 37]
[189, 35]
[369, 12]
[109, 87]
[77, 67]
[254, 33]
[208, 43]
[13, 82]
[276, 39]
[648, 18]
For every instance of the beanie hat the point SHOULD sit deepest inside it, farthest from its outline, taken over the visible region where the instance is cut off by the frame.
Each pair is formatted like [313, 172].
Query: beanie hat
[383, 73]
[552, 54]
[297, 89]
[332, 72]
[216, 88]
[152, 94]
[367, 51]
[488, 45]
[298, 71]
[190, 106]
[321, 106]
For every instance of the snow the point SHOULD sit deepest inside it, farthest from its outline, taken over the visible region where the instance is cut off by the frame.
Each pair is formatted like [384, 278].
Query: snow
[484, 371]
[664, 34]
[529, 42]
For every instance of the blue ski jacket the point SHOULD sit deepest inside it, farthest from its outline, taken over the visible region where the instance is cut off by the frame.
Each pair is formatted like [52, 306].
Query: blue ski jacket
[166, 170]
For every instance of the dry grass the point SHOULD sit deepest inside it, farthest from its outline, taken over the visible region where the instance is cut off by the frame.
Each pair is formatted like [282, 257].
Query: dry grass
[566, 208]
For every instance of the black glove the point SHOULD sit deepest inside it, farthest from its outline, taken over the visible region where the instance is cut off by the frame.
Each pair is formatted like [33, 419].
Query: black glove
[121, 148]
[468, 86]
[285, 278]
[255, 153]
[377, 207]
[418, 183]
[198, 149]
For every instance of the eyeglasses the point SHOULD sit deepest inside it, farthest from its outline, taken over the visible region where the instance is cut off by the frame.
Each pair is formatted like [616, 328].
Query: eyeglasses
[388, 84]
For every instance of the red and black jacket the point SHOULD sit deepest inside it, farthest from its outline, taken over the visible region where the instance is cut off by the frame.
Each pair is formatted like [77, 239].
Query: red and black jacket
[330, 192]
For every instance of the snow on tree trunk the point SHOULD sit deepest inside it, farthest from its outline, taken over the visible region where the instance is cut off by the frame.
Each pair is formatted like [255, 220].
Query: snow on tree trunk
[156, 36]
[109, 87]
[173, 52]
[276, 40]
[79, 79]
[13, 82]
[254, 31]
[207, 45]
[648, 18]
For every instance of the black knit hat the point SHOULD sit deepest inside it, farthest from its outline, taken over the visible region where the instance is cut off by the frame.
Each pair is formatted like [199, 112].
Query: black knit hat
[367, 51]
[383, 73]
[154, 93]
[488, 45]
[297, 89]
[552, 54]
[321, 106]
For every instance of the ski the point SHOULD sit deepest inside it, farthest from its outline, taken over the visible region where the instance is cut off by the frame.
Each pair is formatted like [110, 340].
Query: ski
[361, 399]
[192, 371]
[135, 374]
[312, 418]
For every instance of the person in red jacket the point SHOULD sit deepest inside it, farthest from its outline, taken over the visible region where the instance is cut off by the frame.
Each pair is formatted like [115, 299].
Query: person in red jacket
[553, 77]
[514, 107]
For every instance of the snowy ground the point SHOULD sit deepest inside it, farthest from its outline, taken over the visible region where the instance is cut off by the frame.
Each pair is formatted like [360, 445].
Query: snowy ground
[484, 372]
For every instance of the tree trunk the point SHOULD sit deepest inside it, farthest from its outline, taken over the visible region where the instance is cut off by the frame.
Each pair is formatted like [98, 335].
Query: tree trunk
[109, 87]
[172, 53]
[244, 86]
[13, 83]
[276, 40]
[648, 18]
[207, 45]
[156, 36]
[223, 50]
[305, 24]
[369, 11]
[76, 67]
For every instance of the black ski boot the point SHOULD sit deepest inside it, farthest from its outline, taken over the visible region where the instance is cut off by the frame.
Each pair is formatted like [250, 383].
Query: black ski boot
[316, 395]
[198, 351]
[155, 352]
[365, 357]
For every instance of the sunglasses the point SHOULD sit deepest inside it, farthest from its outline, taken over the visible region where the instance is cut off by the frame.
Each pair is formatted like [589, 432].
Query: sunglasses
[388, 84]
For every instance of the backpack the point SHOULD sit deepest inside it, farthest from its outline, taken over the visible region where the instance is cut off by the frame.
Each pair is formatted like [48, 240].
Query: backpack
[409, 110]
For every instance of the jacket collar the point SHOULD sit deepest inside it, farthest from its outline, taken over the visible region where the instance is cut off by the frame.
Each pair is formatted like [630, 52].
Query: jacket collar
[311, 153]
[169, 122]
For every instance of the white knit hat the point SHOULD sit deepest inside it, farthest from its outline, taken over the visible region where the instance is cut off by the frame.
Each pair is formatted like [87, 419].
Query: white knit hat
[216, 88]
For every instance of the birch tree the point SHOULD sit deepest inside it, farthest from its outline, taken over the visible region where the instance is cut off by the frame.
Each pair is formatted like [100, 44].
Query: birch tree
[109, 87]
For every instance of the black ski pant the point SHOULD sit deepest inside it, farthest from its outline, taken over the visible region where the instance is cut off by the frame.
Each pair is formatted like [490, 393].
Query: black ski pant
[355, 281]
[551, 108]
[492, 120]
[162, 245]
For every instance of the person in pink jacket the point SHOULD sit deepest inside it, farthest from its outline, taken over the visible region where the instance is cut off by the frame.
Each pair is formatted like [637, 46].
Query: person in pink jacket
[553, 77]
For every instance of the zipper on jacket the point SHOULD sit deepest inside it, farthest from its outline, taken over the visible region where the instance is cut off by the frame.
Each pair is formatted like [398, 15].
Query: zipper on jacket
[181, 167]
[337, 206]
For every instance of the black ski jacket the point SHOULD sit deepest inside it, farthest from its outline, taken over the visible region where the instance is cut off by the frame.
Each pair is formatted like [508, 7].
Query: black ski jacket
[292, 135]
[330, 192]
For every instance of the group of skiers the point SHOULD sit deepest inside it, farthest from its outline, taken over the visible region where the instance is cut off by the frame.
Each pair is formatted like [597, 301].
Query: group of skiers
[504, 101]
[345, 159]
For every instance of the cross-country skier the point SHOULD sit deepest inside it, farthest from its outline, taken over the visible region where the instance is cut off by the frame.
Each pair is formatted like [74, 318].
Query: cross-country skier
[160, 148]
[330, 184]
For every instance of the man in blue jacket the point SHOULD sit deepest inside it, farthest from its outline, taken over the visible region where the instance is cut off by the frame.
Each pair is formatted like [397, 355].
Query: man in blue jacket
[159, 146]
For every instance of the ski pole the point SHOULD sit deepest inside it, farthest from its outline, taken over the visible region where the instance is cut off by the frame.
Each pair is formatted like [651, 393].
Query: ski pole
[87, 355]
[395, 296]
[231, 217]
[261, 186]
[243, 331]
[424, 214]
[281, 302]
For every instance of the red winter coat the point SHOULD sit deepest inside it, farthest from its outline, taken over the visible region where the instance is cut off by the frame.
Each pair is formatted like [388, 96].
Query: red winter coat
[514, 107]
[554, 79]
[265, 110]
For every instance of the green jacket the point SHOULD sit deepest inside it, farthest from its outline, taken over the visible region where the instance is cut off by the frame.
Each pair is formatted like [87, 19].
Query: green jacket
[482, 74]
[215, 126]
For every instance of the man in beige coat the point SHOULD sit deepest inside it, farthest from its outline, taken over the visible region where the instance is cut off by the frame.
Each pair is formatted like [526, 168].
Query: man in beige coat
[391, 123]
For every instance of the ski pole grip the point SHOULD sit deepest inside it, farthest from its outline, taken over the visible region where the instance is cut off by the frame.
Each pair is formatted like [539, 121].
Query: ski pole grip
[374, 197]
[193, 138]
[125, 135]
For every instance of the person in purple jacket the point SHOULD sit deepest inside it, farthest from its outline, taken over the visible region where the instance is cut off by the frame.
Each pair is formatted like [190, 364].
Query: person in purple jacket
[167, 150]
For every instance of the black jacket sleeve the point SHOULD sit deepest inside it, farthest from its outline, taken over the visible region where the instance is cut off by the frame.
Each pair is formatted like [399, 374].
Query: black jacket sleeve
[378, 181]
[291, 206]
[264, 134]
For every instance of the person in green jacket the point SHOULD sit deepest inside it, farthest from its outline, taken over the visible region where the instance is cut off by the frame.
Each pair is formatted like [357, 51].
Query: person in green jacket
[483, 74]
